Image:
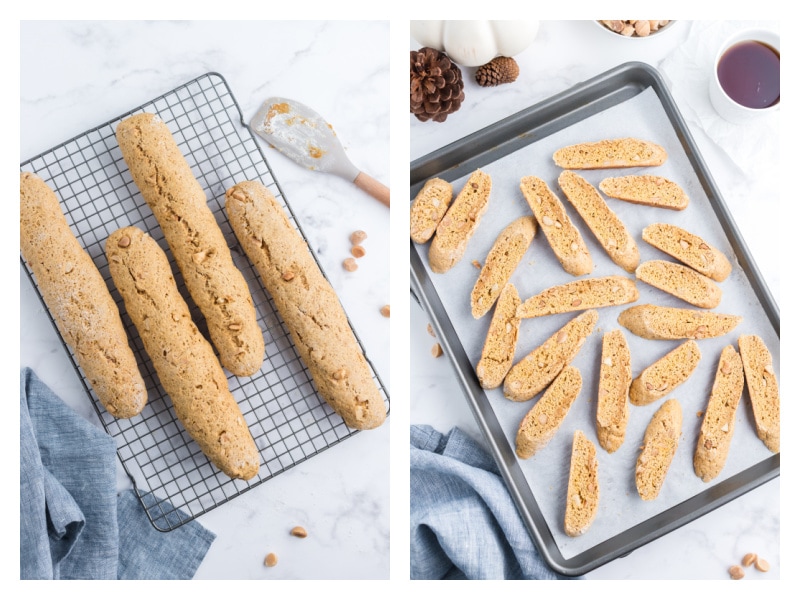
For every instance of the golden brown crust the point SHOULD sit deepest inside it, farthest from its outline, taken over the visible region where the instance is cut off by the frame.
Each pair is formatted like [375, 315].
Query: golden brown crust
[583, 488]
[667, 323]
[498, 350]
[665, 374]
[680, 281]
[763, 389]
[658, 449]
[612, 394]
[613, 153]
[428, 208]
[690, 249]
[581, 294]
[650, 190]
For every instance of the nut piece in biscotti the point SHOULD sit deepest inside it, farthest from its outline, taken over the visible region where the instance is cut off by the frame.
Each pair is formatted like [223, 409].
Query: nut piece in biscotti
[307, 304]
[606, 154]
[460, 222]
[542, 421]
[612, 393]
[665, 374]
[562, 235]
[498, 350]
[650, 190]
[690, 249]
[583, 487]
[680, 281]
[762, 387]
[503, 258]
[200, 250]
[428, 208]
[667, 323]
[658, 449]
[719, 419]
[606, 226]
[185, 362]
[581, 294]
[78, 300]
[535, 372]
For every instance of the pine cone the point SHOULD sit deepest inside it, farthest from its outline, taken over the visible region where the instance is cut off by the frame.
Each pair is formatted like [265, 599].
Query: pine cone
[502, 69]
[437, 88]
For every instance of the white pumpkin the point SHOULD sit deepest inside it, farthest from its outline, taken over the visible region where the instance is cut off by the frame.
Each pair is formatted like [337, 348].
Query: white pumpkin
[475, 43]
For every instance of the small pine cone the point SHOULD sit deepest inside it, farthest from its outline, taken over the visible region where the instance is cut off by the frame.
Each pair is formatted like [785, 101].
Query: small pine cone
[437, 88]
[502, 69]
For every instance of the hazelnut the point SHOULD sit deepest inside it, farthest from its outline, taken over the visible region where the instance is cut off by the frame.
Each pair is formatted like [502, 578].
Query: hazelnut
[349, 264]
[299, 532]
[357, 237]
[436, 351]
[385, 310]
[271, 559]
[357, 251]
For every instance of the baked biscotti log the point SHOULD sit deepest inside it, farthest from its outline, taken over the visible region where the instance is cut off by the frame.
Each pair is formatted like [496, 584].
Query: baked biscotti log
[185, 362]
[614, 153]
[665, 374]
[307, 303]
[650, 190]
[583, 487]
[719, 419]
[690, 249]
[658, 449]
[612, 394]
[180, 206]
[581, 294]
[535, 371]
[606, 226]
[497, 354]
[667, 323]
[460, 222]
[762, 387]
[680, 281]
[562, 235]
[503, 258]
[78, 300]
[428, 208]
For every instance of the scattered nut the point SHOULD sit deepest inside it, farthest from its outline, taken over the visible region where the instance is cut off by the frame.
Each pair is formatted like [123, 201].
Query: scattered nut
[736, 572]
[436, 351]
[271, 560]
[349, 264]
[637, 28]
[298, 532]
[430, 330]
[357, 251]
[385, 310]
[749, 559]
[357, 237]
[761, 565]
[476, 264]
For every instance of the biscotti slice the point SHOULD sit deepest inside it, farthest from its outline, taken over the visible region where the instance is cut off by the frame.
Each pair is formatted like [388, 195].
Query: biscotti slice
[716, 432]
[562, 235]
[581, 294]
[680, 281]
[535, 372]
[542, 421]
[606, 226]
[658, 449]
[460, 222]
[185, 362]
[78, 299]
[612, 394]
[606, 154]
[307, 303]
[498, 350]
[504, 256]
[665, 374]
[690, 249]
[583, 487]
[650, 190]
[762, 387]
[428, 208]
[667, 323]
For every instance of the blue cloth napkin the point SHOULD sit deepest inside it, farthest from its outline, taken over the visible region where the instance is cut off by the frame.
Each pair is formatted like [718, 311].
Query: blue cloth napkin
[464, 524]
[73, 524]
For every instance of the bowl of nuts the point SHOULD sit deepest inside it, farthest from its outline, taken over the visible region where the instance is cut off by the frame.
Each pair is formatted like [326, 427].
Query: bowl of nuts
[635, 30]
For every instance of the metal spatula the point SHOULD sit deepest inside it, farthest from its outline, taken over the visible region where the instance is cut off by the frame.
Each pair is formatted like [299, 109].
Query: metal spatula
[309, 140]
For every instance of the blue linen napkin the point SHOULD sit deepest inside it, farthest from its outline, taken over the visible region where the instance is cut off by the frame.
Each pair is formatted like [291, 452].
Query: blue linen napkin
[73, 524]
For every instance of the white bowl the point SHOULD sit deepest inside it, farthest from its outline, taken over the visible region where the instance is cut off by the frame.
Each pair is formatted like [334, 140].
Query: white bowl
[658, 33]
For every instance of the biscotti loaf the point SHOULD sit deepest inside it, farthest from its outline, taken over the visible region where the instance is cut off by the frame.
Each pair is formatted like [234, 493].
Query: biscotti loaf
[719, 420]
[650, 190]
[680, 281]
[504, 256]
[542, 421]
[78, 300]
[665, 374]
[762, 387]
[498, 350]
[180, 206]
[690, 249]
[583, 487]
[612, 394]
[535, 372]
[606, 226]
[307, 303]
[606, 154]
[581, 294]
[667, 323]
[562, 235]
[460, 222]
[428, 208]
[185, 362]
[658, 449]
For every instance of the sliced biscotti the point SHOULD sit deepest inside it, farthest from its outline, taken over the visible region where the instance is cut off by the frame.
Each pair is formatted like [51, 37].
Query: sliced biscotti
[583, 487]
[606, 226]
[581, 294]
[658, 449]
[504, 256]
[762, 386]
[460, 222]
[719, 419]
[542, 421]
[429, 206]
[613, 153]
[562, 235]
[497, 354]
[535, 372]
[650, 190]
[665, 374]
[690, 249]
[680, 281]
[654, 322]
[612, 393]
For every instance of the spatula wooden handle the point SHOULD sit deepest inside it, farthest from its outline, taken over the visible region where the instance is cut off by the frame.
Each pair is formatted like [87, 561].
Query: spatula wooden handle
[373, 187]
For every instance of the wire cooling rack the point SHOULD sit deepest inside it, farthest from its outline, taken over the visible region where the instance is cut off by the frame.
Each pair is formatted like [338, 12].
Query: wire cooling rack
[289, 421]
